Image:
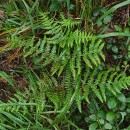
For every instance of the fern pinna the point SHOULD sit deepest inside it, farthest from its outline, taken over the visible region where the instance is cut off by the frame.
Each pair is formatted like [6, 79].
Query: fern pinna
[68, 59]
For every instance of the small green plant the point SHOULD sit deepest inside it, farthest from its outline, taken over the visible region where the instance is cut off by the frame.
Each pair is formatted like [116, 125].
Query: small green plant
[110, 115]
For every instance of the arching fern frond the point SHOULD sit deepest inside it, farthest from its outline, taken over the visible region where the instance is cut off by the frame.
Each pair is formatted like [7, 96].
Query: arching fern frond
[100, 82]
[62, 44]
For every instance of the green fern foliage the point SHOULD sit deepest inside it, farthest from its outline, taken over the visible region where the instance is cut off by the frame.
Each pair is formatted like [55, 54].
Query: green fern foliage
[64, 47]
[102, 82]
[66, 60]
[72, 47]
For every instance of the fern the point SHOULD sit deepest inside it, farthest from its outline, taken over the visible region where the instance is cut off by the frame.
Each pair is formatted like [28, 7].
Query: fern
[67, 61]
[65, 47]
[26, 109]
[58, 57]
[104, 81]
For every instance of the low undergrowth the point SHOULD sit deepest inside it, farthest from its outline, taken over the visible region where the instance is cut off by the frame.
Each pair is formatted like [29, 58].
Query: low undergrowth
[64, 65]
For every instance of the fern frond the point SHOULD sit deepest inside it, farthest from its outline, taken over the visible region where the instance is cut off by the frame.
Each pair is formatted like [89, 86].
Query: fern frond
[104, 81]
